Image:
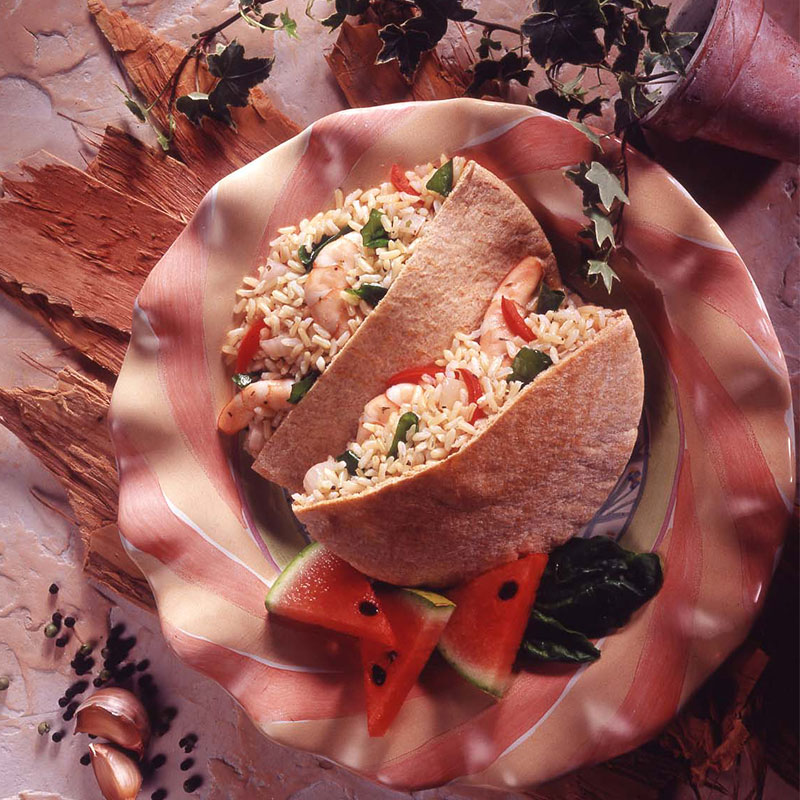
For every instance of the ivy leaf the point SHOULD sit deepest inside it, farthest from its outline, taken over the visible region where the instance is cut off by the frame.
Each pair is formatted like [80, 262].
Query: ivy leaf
[237, 75]
[405, 44]
[603, 229]
[486, 44]
[677, 41]
[269, 21]
[630, 48]
[289, 25]
[593, 108]
[564, 31]
[449, 9]
[551, 101]
[511, 66]
[137, 109]
[634, 94]
[607, 183]
[591, 193]
[197, 105]
[587, 132]
[345, 8]
[653, 19]
[371, 293]
[373, 234]
[615, 21]
[300, 388]
[603, 270]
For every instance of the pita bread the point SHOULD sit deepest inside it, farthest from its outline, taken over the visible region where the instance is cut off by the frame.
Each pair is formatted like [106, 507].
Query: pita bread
[481, 231]
[528, 482]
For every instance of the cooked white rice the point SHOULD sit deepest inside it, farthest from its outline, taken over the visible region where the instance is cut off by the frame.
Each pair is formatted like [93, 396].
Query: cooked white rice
[442, 430]
[280, 301]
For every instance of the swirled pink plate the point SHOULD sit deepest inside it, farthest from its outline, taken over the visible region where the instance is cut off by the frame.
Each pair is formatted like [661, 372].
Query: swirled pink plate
[708, 487]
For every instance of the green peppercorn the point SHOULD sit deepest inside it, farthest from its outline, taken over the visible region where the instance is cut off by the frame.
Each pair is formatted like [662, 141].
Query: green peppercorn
[51, 630]
[104, 675]
[4, 683]
[85, 649]
[43, 728]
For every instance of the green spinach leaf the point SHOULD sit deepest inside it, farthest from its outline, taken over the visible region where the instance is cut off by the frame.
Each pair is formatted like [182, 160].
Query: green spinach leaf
[441, 181]
[350, 461]
[408, 421]
[594, 586]
[300, 388]
[371, 293]
[373, 234]
[546, 639]
[307, 257]
[527, 364]
[549, 299]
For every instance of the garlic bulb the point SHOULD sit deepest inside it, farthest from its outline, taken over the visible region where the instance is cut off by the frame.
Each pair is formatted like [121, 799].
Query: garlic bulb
[116, 715]
[117, 774]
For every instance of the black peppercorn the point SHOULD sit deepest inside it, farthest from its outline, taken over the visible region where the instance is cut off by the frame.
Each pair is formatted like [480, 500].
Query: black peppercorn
[53, 588]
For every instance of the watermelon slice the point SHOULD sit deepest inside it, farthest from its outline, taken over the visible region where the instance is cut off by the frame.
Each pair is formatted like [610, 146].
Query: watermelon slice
[483, 636]
[320, 588]
[417, 619]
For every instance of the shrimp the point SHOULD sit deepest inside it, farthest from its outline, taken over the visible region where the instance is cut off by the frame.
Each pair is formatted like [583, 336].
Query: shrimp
[270, 394]
[327, 279]
[278, 347]
[315, 475]
[378, 410]
[519, 286]
[273, 271]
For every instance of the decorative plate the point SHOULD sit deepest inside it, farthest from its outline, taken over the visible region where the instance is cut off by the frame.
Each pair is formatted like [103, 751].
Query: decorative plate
[708, 487]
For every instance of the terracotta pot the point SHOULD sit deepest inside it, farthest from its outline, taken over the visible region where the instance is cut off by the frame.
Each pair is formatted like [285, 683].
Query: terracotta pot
[742, 86]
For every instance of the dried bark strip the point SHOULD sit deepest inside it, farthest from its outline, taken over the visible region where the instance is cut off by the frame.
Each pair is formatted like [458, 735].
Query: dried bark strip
[365, 83]
[131, 167]
[215, 149]
[65, 428]
[78, 242]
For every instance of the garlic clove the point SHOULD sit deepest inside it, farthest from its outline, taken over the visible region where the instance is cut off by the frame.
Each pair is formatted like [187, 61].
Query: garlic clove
[117, 774]
[116, 715]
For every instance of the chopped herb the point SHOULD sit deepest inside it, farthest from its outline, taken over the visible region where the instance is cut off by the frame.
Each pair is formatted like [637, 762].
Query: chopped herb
[408, 421]
[527, 364]
[307, 257]
[546, 639]
[371, 293]
[441, 181]
[242, 379]
[373, 234]
[549, 299]
[300, 388]
[350, 460]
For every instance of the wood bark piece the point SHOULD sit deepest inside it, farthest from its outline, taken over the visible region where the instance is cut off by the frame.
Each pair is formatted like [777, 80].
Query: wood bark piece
[131, 167]
[365, 83]
[215, 149]
[65, 427]
[79, 242]
[102, 344]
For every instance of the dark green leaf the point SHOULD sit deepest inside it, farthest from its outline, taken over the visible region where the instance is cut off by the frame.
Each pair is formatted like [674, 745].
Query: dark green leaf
[350, 461]
[593, 108]
[441, 181]
[270, 21]
[603, 228]
[627, 59]
[653, 19]
[546, 639]
[591, 193]
[371, 293]
[615, 20]
[135, 108]
[406, 422]
[593, 586]
[602, 269]
[196, 105]
[450, 9]
[527, 364]
[242, 379]
[555, 103]
[407, 42]
[345, 8]
[486, 44]
[288, 24]
[677, 41]
[307, 257]
[549, 299]
[237, 75]
[373, 234]
[564, 31]
[300, 388]
[487, 69]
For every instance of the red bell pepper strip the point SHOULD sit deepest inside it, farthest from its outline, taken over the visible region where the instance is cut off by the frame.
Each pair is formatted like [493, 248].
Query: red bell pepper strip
[516, 324]
[249, 345]
[414, 374]
[401, 183]
[474, 392]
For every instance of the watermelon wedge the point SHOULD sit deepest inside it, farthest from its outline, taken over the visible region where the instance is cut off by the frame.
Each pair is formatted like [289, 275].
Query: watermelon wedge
[484, 634]
[417, 619]
[319, 588]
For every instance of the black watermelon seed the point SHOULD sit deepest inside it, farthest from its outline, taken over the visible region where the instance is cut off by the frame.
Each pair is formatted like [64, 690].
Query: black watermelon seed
[158, 794]
[53, 588]
[187, 764]
[193, 784]
[367, 608]
[378, 675]
[508, 590]
[392, 655]
[85, 759]
[158, 761]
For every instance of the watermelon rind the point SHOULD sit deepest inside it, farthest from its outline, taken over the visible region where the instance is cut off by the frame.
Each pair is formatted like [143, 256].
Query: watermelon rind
[436, 602]
[285, 579]
[483, 679]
